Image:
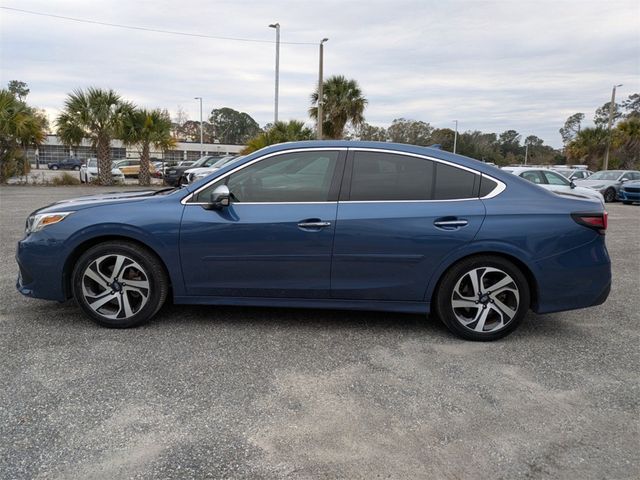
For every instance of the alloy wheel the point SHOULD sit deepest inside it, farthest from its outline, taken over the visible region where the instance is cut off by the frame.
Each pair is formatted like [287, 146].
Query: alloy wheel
[115, 286]
[485, 299]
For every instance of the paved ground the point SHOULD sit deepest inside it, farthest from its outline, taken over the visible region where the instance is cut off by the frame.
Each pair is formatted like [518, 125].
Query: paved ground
[269, 393]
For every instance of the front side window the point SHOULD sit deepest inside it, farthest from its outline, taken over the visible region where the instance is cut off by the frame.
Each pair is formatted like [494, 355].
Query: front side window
[555, 179]
[290, 177]
[533, 177]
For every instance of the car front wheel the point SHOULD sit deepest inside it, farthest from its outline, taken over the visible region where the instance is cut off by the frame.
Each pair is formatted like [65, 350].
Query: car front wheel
[609, 195]
[119, 285]
[54, 167]
[483, 298]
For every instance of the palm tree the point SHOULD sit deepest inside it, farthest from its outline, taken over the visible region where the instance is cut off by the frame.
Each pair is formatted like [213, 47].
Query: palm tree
[145, 128]
[20, 126]
[588, 146]
[280, 132]
[342, 103]
[95, 114]
[626, 141]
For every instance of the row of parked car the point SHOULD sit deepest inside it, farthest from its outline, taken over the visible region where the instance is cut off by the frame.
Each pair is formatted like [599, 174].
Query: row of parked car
[605, 185]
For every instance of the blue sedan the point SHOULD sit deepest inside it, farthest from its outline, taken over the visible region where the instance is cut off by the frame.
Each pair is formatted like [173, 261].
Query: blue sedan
[331, 224]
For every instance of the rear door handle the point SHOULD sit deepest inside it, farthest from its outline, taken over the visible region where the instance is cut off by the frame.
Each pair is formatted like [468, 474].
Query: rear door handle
[450, 224]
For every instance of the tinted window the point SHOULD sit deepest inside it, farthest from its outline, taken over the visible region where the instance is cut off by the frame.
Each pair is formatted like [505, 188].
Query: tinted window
[452, 183]
[555, 179]
[486, 186]
[387, 176]
[291, 177]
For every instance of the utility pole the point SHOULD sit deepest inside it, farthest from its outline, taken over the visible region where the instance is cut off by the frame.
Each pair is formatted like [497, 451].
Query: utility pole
[526, 151]
[612, 109]
[455, 137]
[277, 27]
[320, 93]
[201, 131]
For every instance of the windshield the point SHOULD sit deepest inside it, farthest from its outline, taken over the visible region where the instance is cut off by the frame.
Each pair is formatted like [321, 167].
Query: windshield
[92, 162]
[606, 175]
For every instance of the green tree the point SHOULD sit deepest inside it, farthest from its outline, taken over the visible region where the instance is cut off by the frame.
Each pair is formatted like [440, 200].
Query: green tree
[632, 106]
[97, 115]
[588, 147]
[233, 127]
[509, 142]
[20, 126]
[146, 128]
[280, 132]
[626, 143]
[414, 132]
[601, 117]
[444, 137]
[571, 127]
[342, 103]
[19, 89]
[367, 132]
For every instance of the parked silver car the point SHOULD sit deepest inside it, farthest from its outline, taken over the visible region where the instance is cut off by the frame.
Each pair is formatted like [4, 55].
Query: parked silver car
[608, 182]
[574, 173]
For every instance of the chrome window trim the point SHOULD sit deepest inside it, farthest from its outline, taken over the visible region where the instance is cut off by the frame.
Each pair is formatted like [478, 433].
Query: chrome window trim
[501, 186]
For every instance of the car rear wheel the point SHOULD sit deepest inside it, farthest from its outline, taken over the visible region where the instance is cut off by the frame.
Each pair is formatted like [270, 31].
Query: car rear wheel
[55, 167]
[119, 284]
[609, 195]
[483, 298]
[76, 168]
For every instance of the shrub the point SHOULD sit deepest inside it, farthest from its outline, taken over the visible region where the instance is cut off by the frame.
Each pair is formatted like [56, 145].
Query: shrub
[66, 179]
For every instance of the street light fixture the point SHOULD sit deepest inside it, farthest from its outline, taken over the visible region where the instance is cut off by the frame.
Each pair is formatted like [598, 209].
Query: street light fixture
[277, 27]
[612, 109]
[455, 137]
[320, 93]
[201, 131]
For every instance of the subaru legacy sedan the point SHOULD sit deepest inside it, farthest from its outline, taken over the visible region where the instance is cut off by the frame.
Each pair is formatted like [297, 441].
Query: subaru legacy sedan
[330, 224]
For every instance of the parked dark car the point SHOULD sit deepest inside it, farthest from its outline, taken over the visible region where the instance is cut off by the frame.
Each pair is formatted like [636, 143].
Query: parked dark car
[66, 164]
[329, 224]
[175, 176]
[629, 192]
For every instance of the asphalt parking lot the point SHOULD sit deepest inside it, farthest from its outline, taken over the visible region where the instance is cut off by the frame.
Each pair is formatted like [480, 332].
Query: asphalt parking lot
[210, 392]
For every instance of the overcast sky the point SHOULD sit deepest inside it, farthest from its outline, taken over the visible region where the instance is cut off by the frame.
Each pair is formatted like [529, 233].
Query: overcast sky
[493, 66]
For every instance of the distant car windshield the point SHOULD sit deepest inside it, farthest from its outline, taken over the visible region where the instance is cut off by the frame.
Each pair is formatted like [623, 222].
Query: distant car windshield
[92, 162]
[606, 175]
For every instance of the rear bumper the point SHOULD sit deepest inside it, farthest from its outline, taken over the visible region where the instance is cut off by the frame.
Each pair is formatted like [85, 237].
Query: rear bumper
[575, 279]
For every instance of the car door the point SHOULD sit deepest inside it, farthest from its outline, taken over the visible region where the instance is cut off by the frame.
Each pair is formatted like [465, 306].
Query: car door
[275, 238]
[398, 217]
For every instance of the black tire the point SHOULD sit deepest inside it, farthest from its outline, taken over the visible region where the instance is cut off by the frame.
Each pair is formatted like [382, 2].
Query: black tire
[610, 195]
[626, 202]
[76, 168]
[143, 263]
[458, 276]
[54, 167]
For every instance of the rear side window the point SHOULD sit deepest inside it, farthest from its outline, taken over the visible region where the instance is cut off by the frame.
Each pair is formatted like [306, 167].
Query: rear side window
[385, 176]
[453, 183]
[486, 186]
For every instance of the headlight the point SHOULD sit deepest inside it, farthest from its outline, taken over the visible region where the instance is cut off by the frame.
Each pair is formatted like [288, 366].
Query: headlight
[40, 220]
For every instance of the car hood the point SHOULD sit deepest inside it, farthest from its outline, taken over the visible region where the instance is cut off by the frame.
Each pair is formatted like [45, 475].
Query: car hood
[593, 183]
[80, 203]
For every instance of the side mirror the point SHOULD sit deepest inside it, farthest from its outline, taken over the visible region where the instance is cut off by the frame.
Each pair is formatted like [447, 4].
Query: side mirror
[220, 198]
[624, 179]
[572, 184]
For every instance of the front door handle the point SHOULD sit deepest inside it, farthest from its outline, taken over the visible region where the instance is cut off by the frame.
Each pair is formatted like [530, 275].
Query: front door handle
[318, 224]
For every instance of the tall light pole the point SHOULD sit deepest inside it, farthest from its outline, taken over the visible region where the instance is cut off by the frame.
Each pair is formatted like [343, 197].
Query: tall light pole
[612, 109]
[320, 94]
[455, 137]
[526, 151]
[277, 27]
[201, 131]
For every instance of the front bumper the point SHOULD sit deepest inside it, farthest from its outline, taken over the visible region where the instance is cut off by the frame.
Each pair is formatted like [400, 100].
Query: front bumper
[627, 196]
[40, 268]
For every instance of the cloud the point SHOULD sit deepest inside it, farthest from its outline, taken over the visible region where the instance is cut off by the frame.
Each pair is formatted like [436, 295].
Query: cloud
[492, 65]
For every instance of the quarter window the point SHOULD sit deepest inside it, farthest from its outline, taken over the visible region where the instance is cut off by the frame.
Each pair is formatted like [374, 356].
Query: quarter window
[290, 177]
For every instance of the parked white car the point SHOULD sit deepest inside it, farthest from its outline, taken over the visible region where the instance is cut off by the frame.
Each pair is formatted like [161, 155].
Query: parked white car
[194, 174]
[89, 172]
[547, 178]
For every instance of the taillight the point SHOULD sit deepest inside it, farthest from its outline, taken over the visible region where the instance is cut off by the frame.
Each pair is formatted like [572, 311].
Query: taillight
[597, 221]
